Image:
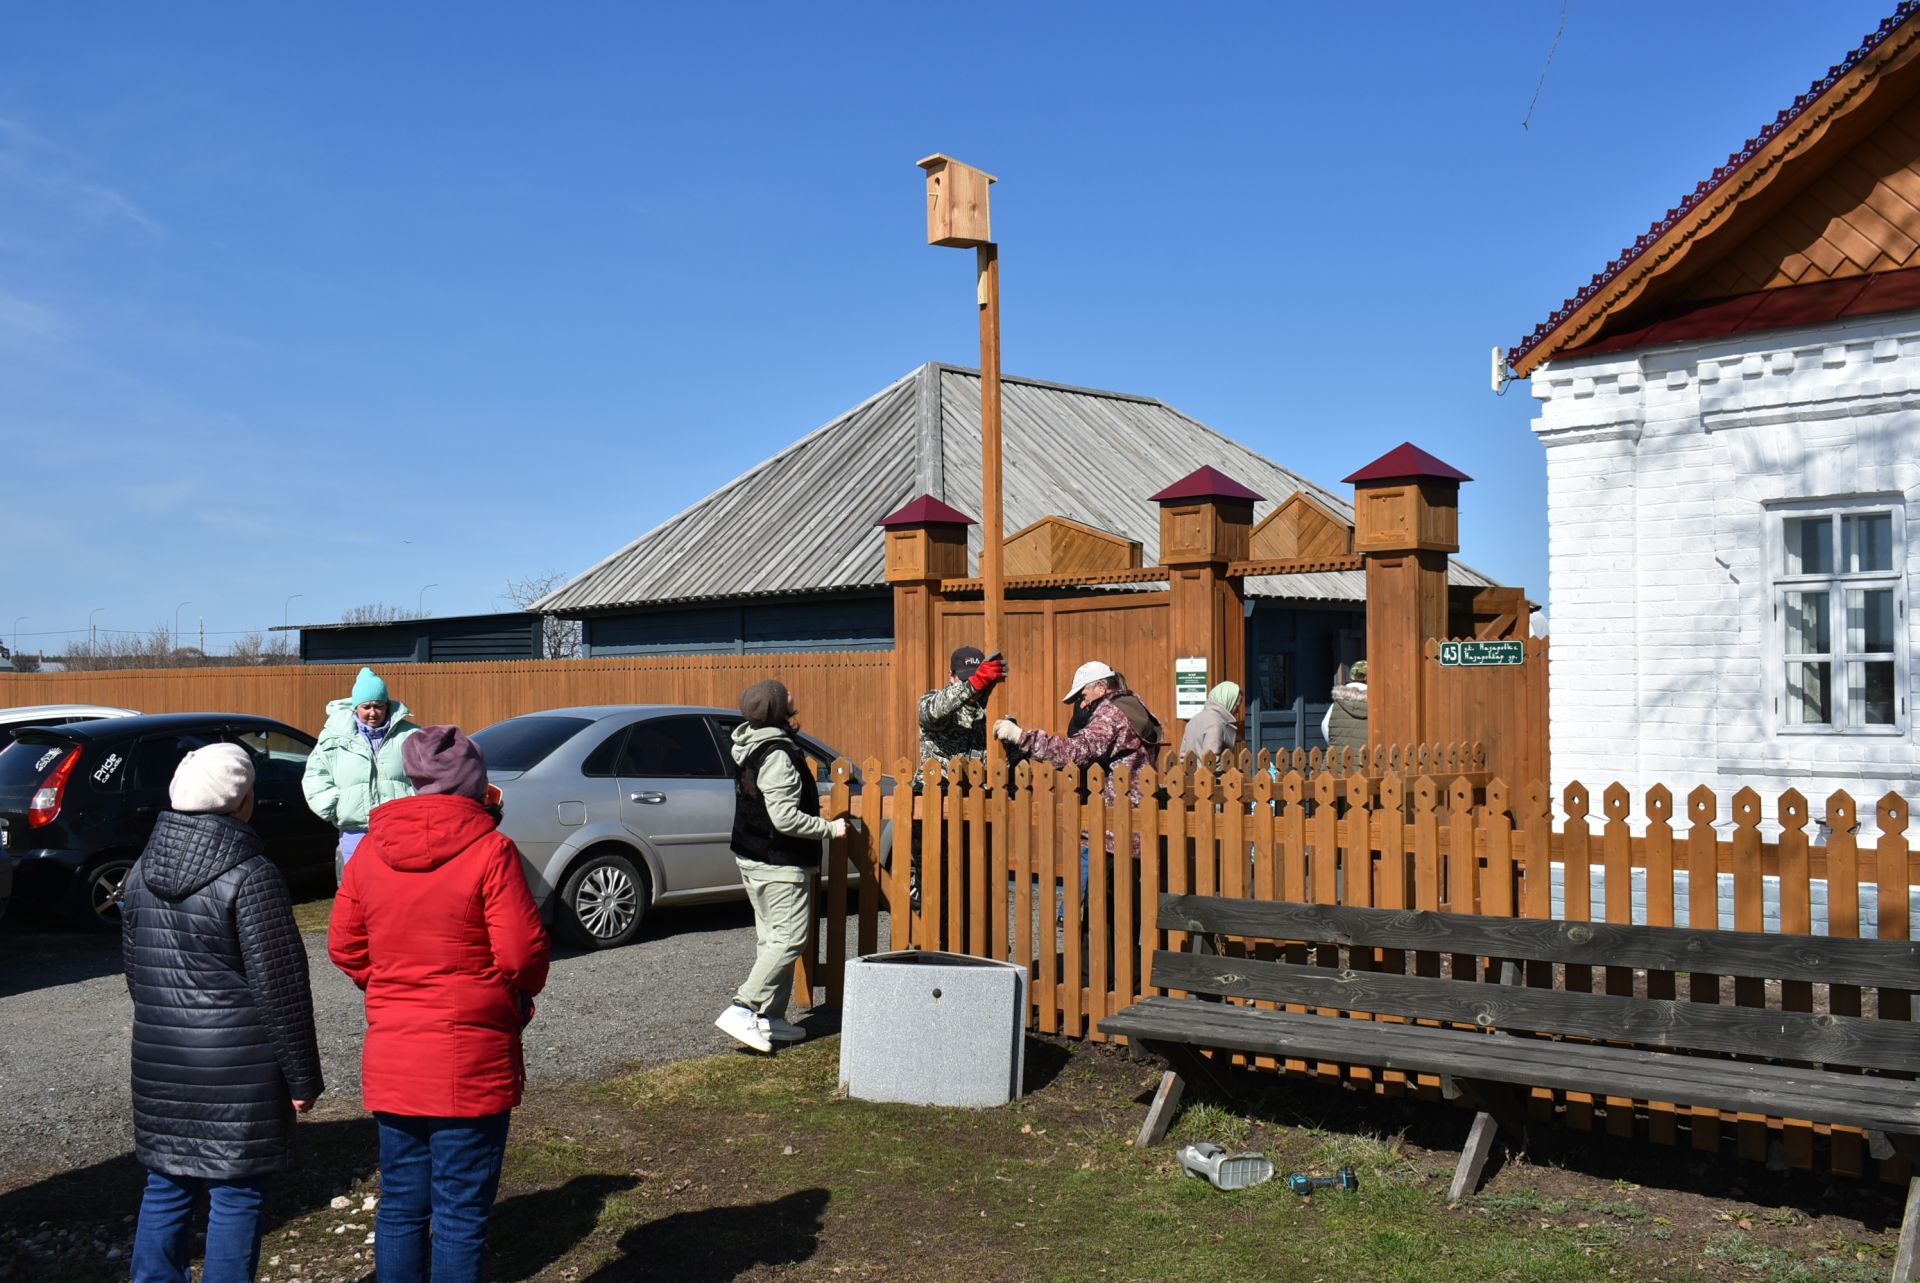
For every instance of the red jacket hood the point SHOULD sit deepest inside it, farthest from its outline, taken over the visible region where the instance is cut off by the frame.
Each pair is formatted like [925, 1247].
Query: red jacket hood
[419, 834]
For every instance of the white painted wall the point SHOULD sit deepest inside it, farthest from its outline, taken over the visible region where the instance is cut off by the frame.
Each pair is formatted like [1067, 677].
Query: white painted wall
[1659, 465]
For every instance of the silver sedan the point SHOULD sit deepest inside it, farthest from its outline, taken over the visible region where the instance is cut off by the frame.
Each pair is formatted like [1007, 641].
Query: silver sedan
[618, 808]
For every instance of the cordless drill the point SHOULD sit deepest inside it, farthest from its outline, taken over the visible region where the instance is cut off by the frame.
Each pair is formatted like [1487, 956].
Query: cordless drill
[1303, 1184]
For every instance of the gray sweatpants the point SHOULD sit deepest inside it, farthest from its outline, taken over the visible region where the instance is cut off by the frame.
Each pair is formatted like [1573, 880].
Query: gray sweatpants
[782, 903]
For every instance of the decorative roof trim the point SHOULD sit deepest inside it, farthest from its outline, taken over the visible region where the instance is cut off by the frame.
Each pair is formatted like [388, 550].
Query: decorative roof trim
[1687, 218]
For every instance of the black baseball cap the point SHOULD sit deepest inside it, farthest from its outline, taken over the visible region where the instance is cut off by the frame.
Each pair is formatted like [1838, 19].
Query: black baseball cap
[966, 659]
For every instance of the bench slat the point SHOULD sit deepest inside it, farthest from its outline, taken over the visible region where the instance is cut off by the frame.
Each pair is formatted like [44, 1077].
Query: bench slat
[1779, 1091]
[1784, 1035]
[1767, 955]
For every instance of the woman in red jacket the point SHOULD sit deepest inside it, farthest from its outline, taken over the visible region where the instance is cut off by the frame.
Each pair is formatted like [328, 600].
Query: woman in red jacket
[435, 924]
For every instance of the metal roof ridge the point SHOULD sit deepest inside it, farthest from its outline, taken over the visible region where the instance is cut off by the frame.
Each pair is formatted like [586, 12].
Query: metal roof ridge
[973, 371]
[1734, 164]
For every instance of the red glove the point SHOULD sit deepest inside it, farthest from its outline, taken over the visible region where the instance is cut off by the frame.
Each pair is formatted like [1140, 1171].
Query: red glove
[989, 672]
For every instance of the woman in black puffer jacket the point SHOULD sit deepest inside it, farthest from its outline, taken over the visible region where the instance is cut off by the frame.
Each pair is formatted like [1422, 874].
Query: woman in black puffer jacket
[224, 1052]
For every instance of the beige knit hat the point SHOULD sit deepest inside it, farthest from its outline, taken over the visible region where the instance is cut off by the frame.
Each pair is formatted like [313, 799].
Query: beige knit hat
[213, 780]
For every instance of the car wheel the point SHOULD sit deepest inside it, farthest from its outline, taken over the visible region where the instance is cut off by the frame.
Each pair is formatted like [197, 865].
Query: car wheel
[602, 901]
[97, 891]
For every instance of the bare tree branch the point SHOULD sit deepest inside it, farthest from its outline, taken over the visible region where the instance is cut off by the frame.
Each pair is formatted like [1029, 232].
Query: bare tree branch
[561, 637]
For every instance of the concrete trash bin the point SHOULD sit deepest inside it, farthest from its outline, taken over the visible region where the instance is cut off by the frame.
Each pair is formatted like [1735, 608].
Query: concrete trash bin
[926, 1028]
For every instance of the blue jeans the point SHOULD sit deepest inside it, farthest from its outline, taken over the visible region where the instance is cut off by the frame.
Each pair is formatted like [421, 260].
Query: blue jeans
[163, 1242]
[443, 1173]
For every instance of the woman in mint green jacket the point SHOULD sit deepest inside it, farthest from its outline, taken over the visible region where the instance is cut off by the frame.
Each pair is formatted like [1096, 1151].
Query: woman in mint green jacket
[357, 764]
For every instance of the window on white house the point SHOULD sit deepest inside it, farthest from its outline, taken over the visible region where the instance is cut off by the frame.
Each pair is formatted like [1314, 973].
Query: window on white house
[1840, 605]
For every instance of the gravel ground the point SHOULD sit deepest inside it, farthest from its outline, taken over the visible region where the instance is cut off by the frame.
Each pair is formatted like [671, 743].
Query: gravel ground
[65, 1025]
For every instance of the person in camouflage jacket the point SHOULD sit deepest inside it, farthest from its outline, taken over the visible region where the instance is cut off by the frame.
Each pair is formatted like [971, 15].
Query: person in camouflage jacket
[953, 718]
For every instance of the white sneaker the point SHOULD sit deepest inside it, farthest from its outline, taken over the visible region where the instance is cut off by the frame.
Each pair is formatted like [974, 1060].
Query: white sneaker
[784, 1030]
[740, 1023]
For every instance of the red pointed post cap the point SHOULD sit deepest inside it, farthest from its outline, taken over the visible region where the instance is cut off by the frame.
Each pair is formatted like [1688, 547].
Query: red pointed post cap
[926, 511]
[1407, 462]
[1205, 482]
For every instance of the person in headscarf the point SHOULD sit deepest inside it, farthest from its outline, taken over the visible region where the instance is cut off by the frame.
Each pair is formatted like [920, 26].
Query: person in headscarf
[777, 831]
[1215, 728]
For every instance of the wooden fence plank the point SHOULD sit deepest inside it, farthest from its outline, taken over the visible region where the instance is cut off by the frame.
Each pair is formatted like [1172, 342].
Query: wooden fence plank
[1796, 918]
[1847, 1153]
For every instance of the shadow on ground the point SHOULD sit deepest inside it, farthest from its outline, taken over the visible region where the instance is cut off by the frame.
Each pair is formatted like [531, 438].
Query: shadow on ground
[40, 949]
[717, 1244]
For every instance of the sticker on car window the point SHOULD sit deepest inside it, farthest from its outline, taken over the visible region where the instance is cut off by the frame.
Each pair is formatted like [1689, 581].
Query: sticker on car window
[46, 759]
[107, 768]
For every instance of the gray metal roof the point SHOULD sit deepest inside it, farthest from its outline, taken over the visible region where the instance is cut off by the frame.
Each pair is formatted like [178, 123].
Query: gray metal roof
[803, 521]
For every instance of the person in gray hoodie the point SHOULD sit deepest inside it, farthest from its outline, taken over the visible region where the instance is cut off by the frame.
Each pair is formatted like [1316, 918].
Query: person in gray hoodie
[1214, 729]
[777, 830]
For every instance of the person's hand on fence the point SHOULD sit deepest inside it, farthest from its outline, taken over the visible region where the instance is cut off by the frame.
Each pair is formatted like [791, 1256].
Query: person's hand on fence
[989, 672]
[1007, 730]
[838, 828]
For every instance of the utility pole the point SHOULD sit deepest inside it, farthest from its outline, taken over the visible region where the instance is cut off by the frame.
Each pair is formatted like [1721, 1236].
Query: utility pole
[957, 216]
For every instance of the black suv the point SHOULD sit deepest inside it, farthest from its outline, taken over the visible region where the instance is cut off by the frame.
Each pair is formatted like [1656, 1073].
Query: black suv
[78, 802]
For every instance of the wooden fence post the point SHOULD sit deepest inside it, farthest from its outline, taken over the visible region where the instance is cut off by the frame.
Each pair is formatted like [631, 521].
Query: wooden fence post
[926, 542]
[1406, 508]
[1206, 522]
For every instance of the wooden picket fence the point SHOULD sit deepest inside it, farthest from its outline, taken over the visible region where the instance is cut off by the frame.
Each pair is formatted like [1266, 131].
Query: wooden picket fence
[1000, 854]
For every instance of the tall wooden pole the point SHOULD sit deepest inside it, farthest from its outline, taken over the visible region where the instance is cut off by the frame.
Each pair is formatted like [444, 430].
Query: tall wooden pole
[993, 516]
[958, 216]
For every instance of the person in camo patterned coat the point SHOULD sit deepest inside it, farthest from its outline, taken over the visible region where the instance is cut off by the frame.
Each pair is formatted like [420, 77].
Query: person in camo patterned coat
[953, 723]
[953, 718]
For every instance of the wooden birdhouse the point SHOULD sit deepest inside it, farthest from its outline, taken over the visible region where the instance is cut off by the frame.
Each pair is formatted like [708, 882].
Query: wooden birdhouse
[956, 202]
[1057, 546]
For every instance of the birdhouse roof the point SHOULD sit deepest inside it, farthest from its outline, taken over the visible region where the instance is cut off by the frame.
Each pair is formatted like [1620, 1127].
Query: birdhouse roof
[941, 158]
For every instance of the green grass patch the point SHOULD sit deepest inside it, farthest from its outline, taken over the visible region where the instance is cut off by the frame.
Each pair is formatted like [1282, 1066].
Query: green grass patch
[311, 915]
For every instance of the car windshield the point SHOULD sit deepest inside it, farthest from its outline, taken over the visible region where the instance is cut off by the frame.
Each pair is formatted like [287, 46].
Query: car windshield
[522, 743]
[24, 763]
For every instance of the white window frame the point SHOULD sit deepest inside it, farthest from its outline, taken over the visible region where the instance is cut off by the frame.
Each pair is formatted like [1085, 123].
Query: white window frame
[1835, 584]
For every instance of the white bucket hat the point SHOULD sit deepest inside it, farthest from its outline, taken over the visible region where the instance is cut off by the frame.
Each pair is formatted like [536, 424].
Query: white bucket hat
[1084, 676]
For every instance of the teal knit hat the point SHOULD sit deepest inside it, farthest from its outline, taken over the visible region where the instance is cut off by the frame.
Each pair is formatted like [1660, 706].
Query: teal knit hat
[367, 687]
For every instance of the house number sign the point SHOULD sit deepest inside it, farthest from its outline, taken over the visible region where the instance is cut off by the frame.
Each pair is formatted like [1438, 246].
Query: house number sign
[1481, 654]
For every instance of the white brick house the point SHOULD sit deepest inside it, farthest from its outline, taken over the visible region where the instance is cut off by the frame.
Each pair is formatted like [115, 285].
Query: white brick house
[1731, 417]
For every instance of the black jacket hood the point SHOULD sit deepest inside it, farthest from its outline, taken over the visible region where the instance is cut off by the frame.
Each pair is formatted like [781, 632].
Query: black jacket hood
[187, 851]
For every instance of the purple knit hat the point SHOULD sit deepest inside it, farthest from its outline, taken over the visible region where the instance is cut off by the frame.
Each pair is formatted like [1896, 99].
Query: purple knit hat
[441, 759]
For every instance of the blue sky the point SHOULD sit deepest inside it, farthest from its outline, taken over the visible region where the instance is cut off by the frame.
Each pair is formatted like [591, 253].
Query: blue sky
[348, 300]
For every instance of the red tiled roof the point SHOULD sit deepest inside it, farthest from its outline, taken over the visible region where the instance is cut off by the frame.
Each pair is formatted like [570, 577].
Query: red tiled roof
[1518, 356]
[1787, 308]
[1407, 462]
[1206, 482]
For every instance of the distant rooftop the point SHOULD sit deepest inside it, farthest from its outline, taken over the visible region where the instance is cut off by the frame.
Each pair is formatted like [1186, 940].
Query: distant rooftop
[804, 521]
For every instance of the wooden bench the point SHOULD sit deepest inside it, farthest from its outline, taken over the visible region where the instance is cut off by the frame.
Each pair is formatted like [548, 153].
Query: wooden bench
[1496, 1038]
